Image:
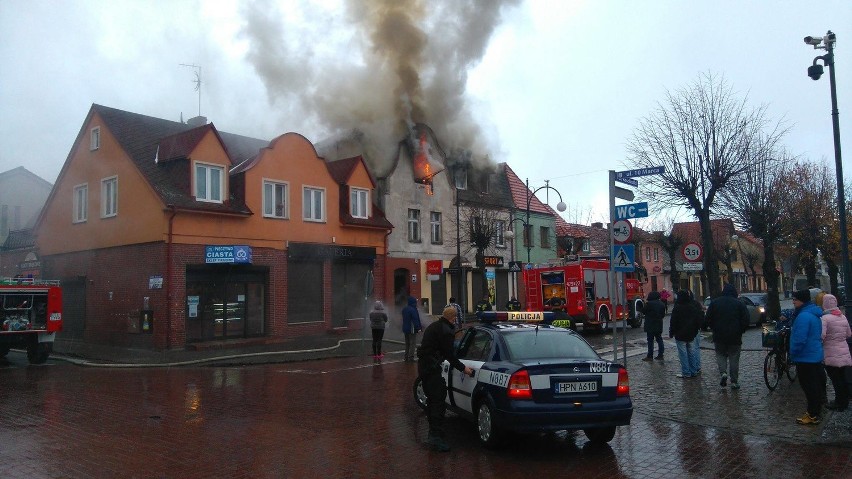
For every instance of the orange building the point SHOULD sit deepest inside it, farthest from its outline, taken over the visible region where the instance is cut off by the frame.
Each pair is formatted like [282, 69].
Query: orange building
[168, 234]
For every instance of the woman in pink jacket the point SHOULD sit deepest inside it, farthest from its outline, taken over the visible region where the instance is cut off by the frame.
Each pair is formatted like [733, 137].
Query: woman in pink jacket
[835, 330]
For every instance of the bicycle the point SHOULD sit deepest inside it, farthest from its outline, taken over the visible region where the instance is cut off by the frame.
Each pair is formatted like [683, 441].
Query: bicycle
[777, 362]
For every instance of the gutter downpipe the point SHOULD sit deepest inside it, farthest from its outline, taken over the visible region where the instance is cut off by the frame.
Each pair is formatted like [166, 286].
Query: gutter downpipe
[169, 278]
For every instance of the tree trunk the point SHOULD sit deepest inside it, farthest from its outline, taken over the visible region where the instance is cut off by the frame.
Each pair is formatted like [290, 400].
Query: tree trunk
[832, 276]
[711, 262]
[773, 301]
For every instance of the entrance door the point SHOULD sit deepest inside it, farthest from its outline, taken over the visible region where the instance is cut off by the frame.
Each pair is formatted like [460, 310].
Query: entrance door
[400, 287]
[439, 294]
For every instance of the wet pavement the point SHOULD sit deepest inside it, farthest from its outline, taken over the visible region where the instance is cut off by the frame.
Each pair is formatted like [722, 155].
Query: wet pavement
[352, 417]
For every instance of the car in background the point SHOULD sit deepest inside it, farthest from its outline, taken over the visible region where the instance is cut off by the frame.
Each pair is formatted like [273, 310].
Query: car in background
[533, 377]
[756, 305]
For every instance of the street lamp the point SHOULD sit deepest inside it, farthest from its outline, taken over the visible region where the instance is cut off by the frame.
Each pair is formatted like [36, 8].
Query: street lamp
[530, 194]
[815, 72]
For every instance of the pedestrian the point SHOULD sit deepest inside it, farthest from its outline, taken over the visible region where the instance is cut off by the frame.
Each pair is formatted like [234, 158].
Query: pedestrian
[807, 352]
[695, 347]
[378, 319]
[437, 347]
[459, 316]
[664, 297]
[727, 317]
[410, 327]
[838, 361]
[513, 304]
[683, 327]
[654, 311]
[483, 305]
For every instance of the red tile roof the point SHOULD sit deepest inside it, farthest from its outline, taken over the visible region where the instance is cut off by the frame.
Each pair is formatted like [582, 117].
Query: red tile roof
[520, 194]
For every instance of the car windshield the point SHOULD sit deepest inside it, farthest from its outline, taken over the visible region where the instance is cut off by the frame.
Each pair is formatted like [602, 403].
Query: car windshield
[756, 298]
[544, 344]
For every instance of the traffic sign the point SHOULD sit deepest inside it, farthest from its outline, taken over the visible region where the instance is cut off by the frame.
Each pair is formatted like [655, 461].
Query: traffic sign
[635, 210]
[628, 181]
[654, 170]
[622, 231]
[622, 258]
[622, 194]
[515, 266]
[692, 252]
[692, 266]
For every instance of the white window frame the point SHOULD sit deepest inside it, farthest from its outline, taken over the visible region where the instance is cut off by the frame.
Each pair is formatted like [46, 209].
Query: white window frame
[460, 179]
[414, 225]
[95, 138]
[359, 202]
[587, 245]
[436, 231]
[80, 211]
[499, 233]
[109, 197]
[269, 205]
[208, 182]
[308, 213]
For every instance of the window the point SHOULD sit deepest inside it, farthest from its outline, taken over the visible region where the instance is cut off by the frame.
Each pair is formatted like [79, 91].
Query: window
[414, 226]
[81, 199]
[359, 201]
[499, 229]
[461, 179]
[656, 254]
[313, 204]
[527, 235]
[95, 138]
[435, 227]
[209, 182]
[275, 204]
[587, 247]
[647, 253]
[545, 236]
[109, 197]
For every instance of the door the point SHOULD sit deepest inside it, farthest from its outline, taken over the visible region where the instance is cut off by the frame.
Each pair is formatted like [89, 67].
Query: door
[439, 294]
[474, 350]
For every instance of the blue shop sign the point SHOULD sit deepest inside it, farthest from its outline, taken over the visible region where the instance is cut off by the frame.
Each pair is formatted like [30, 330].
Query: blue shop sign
[239, 254]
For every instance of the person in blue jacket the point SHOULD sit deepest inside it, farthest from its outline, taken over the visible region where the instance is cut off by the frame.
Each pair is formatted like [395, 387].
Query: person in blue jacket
[806, 351]
[410, 327]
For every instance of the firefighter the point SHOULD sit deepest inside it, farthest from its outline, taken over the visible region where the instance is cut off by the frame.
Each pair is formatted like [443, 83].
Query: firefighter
[482, 306]
[513, 304]
[554, 303]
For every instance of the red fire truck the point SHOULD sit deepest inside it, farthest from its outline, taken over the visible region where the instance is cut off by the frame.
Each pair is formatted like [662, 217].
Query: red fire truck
[30, 316]
[582, 285]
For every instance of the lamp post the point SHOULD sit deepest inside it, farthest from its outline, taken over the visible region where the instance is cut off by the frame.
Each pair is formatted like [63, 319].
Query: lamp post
[815, 72]
[530, 194]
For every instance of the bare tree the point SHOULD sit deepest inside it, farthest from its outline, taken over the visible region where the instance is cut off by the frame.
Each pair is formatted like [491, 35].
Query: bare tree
[704, 137]
[480, 226]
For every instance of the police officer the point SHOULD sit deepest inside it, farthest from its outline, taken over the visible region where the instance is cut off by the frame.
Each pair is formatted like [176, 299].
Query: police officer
[482, 306]
[513, 304]
[436, 347]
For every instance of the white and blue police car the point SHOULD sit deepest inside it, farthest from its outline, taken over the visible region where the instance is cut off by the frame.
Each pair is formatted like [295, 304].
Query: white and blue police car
[531, 376]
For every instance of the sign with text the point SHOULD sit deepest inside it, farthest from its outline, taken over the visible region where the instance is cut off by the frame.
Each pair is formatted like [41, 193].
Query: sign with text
[434, 266]
[692, 266]
[692, 252]
[635, 210]
[239, 254]
[654, 170]
[493, 261]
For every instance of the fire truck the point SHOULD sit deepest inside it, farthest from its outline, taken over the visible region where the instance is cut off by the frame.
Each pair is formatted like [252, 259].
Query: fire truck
[30, 316]
[582, 287]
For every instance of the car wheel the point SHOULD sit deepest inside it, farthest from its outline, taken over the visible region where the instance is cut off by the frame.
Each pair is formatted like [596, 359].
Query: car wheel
[4, 350]
[603, 318]
[600, 435]
[490, 434]
[419, 393]
[37, 353]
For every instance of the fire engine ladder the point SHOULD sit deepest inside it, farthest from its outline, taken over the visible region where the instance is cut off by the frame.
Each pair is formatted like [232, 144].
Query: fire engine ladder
[533, 283]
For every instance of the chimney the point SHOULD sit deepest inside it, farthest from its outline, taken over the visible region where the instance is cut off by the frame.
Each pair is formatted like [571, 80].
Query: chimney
[197, 121]
[597, 225]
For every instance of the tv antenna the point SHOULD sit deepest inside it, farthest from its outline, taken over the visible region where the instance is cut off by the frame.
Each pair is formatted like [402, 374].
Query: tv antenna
[197, 82]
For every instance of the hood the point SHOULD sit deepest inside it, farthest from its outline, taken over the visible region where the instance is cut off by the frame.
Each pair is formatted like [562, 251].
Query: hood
[683, 296]
[653, 295]
[729, 290]
[811, 308]
[412, 301]
[379, 306]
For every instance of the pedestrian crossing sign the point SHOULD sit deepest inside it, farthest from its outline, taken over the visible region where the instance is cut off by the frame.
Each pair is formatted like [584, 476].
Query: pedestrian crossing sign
[622, 258]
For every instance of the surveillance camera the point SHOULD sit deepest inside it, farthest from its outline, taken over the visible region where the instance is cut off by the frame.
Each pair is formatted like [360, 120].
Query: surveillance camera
[815, 71]
[813, 40]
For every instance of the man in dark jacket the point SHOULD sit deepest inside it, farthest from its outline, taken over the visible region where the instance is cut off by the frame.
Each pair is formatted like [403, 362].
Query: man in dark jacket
[727, 317]
[684, 323]
[437, 347]
[410, 327]
[513, 304]
[654, 311]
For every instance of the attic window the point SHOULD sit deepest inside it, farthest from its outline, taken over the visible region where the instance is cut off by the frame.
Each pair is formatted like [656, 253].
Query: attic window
[95, 139]
[359, 204]
[209, 183]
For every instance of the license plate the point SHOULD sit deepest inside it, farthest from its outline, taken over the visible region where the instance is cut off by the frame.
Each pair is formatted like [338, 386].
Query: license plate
[577, 387]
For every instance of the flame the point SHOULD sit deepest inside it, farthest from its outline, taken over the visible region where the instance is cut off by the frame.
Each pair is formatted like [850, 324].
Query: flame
[422, 169]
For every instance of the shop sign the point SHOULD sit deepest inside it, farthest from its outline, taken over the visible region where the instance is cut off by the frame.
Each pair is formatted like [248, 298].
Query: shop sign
[239, 254]
[433, 267]
[493, 261]
[332, 252]
[155, 282]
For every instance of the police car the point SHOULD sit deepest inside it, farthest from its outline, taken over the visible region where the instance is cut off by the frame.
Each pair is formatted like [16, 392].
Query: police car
[532, 376]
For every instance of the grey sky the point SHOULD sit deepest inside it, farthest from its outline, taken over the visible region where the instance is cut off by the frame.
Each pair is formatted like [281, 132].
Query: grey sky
[554, 88]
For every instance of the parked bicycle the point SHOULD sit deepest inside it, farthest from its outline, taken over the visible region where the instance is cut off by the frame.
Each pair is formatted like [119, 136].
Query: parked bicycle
[777, 362]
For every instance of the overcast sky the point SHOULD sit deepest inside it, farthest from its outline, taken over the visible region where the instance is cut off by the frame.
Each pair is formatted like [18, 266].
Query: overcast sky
[553, 88]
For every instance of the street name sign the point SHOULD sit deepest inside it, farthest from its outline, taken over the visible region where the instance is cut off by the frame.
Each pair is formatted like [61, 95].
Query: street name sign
[654, 170]
[622, 258]
[628, 181]
[635, 210]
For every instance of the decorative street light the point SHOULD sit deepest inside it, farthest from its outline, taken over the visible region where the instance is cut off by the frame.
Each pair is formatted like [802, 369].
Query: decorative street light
[560, 207]
[815, 72]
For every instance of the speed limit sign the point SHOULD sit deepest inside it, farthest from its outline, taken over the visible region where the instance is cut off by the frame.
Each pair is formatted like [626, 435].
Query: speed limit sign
[692, 252]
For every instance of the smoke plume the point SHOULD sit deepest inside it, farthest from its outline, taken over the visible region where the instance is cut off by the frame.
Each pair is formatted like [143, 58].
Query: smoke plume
[375, 66]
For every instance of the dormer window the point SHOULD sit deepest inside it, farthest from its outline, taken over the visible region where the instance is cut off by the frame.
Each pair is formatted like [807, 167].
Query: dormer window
[95, 138]
[359, 203]
[209, 182]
